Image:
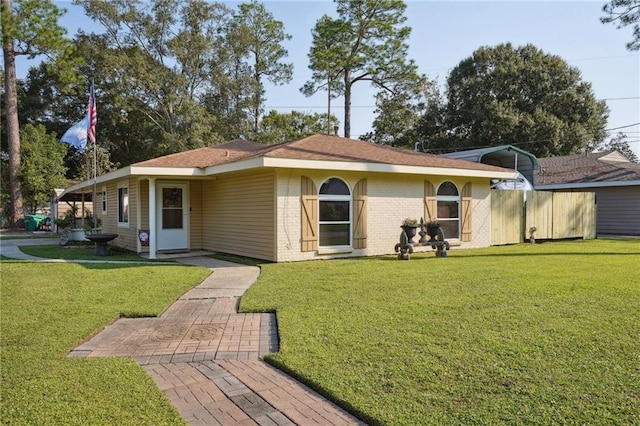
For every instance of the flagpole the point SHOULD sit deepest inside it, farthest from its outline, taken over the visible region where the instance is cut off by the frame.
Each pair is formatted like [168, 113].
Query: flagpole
[91, 134]
[95, 189]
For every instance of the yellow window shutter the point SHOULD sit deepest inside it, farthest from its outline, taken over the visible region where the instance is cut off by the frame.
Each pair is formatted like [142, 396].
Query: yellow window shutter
[467, 207]
[360, 215]
[309, 214]
[430, 211]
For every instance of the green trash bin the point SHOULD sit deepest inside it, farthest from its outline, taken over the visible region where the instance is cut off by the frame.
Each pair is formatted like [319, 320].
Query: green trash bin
[30, 224]
[39, 218]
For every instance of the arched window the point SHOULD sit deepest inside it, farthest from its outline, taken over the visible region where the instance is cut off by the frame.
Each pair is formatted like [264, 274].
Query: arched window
[334, 199]
[448, 204]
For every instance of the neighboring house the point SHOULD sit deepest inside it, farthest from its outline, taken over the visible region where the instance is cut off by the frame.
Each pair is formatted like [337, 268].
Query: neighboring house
[614, 179]
[319, 197]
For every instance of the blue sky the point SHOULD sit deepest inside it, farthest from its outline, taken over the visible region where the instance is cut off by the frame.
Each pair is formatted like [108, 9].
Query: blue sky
[446, 32]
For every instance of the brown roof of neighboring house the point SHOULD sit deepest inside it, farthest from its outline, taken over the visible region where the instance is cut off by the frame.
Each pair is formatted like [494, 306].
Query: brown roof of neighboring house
[608, 166]
[317, 147]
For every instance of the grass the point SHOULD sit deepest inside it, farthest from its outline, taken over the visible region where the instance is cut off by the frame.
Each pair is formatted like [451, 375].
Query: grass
[48, 310]
[84, 252]
[525, 334]
[519, 334]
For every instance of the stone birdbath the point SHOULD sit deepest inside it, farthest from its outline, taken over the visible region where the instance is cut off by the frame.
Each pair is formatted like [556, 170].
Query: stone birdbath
[101, 241]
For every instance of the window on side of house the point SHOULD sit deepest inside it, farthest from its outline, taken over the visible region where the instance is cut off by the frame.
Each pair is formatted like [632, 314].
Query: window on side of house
[334, 199]
[104, 200]
[448, 205]
[123, 206]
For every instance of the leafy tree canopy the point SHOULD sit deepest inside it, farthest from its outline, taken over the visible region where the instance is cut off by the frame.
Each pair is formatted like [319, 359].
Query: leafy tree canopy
[281, 127]
[42, 168]
[398, 113]
[29, 28]
[520, 96]
[618, 143]
[624, 13]
[259, 36]
[366, 42]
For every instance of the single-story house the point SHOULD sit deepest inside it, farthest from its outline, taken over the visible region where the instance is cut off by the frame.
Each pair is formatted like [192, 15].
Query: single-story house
[318, 197]
[614, 179]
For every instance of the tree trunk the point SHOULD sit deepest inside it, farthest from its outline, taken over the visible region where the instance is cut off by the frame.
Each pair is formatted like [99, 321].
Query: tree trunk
[347, 105]
[256, 104]
[13, 128]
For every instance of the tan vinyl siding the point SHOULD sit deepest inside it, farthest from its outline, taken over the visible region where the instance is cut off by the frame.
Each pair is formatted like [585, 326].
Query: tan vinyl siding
[240, 214]
[195, 215]
[127, 236]
[109, 221]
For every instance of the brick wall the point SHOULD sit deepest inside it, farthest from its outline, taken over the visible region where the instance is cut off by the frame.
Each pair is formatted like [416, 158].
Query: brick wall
[391, 199]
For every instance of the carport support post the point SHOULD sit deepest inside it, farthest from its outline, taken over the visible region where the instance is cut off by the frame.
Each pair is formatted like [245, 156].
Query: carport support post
[152, 218]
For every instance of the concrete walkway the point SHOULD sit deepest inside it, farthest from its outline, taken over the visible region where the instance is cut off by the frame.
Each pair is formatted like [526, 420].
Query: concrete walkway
[206, 357]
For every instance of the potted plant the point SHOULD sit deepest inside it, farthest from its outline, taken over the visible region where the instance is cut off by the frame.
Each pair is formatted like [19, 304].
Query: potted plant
[410, 226]
[92, 225]
[433, 228]
[65, 225]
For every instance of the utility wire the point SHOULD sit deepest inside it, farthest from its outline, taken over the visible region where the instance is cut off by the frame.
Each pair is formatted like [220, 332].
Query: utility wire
[622, 127]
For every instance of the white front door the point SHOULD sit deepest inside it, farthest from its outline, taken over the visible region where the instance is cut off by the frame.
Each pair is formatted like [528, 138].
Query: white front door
[172, 209]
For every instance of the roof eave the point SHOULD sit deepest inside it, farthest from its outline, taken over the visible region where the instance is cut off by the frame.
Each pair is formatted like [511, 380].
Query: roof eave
[134, 171]
[288, 163]
[588, 185]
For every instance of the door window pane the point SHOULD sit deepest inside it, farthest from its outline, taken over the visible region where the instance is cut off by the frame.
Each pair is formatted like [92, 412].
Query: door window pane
[171, 208]
[171, 218]
[172, 197]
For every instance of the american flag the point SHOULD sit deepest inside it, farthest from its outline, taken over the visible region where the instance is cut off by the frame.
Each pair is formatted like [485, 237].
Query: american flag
[93, 116]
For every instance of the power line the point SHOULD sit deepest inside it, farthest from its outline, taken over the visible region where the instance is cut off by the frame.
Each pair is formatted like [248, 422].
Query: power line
[622, 127]
[619, 99]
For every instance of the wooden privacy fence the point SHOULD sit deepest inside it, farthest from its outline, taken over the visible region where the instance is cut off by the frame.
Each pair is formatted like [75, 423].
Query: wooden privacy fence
[555, 215]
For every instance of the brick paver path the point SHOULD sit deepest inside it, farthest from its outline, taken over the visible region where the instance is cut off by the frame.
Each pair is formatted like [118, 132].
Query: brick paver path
[205, 357]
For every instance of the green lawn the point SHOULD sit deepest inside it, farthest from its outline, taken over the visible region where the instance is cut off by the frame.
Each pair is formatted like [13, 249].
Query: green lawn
[47, 310]
[543, 334]
[525, 334]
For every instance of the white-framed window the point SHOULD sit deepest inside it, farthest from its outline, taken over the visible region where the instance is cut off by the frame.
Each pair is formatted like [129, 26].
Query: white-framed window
[334, 200]
[104, 200]
[123, 206]
[448, 206]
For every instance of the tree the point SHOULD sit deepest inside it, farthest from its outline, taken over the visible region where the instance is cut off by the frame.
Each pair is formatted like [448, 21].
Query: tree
[624, 13]
[618, 143]
[84, 163]
[277, 127]
[156, 59]
[398, 113]
[502, 95]
[255, 34]
[367, 42]
[29, 28]
[42, 166]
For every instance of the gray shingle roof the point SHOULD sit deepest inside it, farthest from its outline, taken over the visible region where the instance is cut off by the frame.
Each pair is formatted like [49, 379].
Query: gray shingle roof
[605, 166]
